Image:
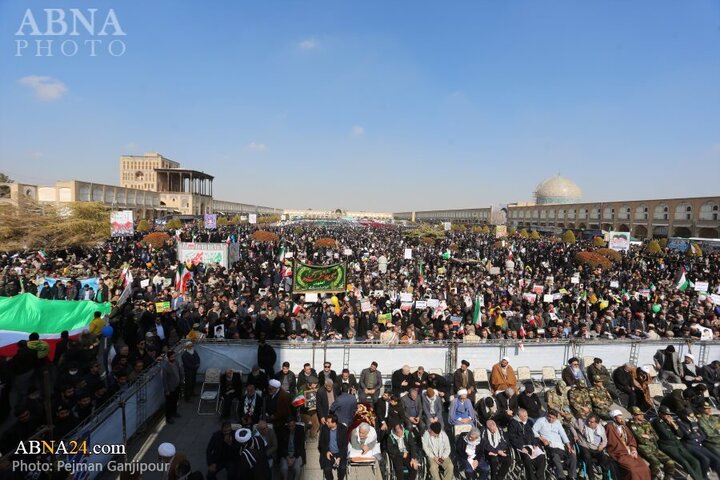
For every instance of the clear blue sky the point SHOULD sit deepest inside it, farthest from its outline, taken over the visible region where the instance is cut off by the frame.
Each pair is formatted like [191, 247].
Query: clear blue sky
[377, 105]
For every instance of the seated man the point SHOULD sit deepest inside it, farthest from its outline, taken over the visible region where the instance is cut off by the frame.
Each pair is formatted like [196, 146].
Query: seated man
[622, 448]
[436, 445]
[370, 384]
[461, 410]
[591, 438]
[364, 443]
[502, 376]
[401, 380]
[495, 448]
[522, 438]
[557, 444]
[507, 405]
[230, 390]
[403, 453]
[470, 456]
[413, 410]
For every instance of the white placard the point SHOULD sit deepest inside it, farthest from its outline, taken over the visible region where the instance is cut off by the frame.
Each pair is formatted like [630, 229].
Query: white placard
[311, 297]
[614, 284]
[702, 286]
[289, 254]
[406, 297]
[377, 293]
[408, 254]
[548, 298]
[447, 226]
[347, 251]
[557, 296]
[145, 283]
[575, 280]
[252, 218]
[421, 304]
[433, 302]
[529, 297]
[365, 306]
[494, 270]
[715, 298]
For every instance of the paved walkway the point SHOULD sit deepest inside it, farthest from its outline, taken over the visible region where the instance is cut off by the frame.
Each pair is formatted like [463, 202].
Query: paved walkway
[190, 434]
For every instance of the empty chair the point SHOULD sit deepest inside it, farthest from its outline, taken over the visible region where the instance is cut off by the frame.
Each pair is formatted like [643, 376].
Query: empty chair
[482, 381]
[549, 377]
[523, 374]
[656, 391]
[210, 391]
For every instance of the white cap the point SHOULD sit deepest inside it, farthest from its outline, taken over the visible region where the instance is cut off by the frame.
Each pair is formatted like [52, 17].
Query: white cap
[166, 449]
[461, 392]
[243, 435]
[645, 368]
[615, 413]
[274, 383]
[690, 356]
[505, 358]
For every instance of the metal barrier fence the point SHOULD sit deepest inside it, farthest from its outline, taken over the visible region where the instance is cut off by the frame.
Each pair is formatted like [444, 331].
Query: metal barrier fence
[242, 355]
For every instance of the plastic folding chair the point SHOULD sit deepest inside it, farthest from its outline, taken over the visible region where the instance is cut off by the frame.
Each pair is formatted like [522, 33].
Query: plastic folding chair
[549, 377]
[210, 391]
[482, 381]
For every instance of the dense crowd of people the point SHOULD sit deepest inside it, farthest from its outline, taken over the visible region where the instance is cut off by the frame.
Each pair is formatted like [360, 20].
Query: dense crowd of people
[475, 289]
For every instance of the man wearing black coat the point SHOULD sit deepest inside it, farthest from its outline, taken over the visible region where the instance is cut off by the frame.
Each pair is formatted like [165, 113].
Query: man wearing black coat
[266, 357]
[345, 377]
[333, 444]
[291, 451]
[326, 396]
[401, 380]
[419, 379]
[327, 372]
[522, 439]
[230, 389]
[441, 385]
[623, 379]
[191, 365]
[220, 451]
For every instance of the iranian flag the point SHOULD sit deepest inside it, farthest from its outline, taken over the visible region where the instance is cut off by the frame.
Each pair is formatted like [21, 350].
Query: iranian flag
[296, 309]
[681, 281]
[299, 399]
[24, 314]
[42, 255]
[421, 273]
[182, 277]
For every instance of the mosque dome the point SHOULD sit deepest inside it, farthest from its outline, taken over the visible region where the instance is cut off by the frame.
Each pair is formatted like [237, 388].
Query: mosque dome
[557, 189]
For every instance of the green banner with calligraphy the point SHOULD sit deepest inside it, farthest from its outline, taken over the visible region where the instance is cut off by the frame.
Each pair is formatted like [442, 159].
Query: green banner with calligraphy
[319, 278]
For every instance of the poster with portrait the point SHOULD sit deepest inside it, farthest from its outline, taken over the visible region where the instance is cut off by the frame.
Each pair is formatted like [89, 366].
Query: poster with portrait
[619, 241]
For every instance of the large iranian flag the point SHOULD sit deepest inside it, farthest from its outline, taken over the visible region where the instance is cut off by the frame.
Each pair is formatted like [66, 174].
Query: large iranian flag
[24, 314]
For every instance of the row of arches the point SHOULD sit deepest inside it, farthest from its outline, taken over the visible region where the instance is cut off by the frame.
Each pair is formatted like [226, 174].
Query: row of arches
[638, 231]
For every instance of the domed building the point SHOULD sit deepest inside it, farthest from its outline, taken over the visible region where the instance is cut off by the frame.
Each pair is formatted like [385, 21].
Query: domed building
[556, 190]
